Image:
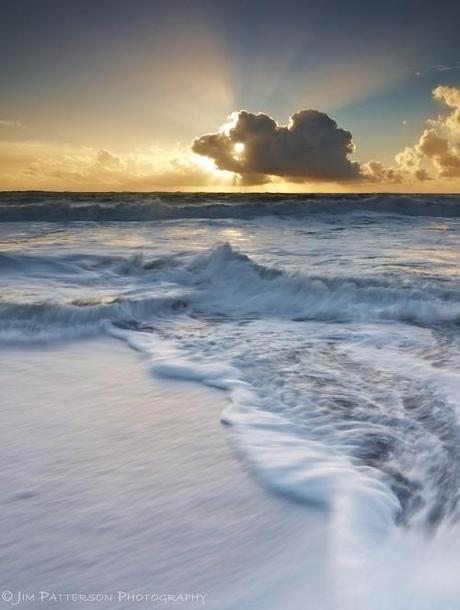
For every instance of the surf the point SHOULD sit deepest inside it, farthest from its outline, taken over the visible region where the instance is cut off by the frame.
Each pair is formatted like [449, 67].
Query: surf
[142, 207]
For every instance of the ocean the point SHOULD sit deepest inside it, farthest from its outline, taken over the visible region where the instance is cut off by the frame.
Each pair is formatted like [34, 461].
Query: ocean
[327, 328]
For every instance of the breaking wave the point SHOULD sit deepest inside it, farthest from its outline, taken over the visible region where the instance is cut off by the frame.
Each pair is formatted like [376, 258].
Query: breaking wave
[218, 282]
[125, 207]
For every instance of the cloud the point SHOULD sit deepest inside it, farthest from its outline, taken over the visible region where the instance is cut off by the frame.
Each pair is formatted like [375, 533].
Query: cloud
[378, 172]
[9, 124]
[409, 165]
[107, 159]
[438, 148]
[252, 150]
[441, 152]
[42, 165]
[450, 96]
[444, 68]
[311, 147]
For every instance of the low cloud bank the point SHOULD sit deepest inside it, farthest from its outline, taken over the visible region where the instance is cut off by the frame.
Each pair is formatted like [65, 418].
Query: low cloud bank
[38, 165]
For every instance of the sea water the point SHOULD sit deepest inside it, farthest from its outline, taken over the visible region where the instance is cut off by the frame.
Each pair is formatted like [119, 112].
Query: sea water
[331, 325]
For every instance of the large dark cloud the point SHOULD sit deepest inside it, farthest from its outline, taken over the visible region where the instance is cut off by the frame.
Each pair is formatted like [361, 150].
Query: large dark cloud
[311, 147]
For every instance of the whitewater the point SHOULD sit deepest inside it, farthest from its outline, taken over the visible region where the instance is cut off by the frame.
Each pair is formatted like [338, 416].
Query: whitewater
[328, 324]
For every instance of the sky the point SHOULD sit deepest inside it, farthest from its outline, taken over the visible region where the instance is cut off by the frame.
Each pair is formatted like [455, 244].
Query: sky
[230, 95]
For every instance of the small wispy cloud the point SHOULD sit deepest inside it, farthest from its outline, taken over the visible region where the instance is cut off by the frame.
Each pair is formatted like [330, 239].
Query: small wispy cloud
[450, 67]
[10, 124]
[446, 68]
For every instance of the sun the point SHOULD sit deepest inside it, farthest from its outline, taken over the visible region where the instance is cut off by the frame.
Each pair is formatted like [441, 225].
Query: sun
[238, 149]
